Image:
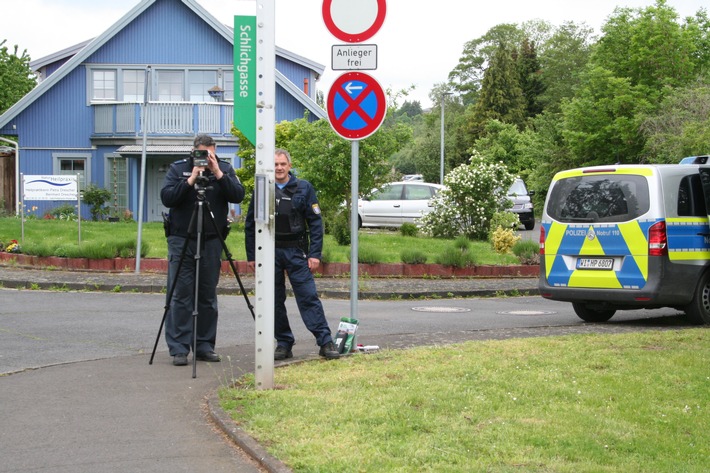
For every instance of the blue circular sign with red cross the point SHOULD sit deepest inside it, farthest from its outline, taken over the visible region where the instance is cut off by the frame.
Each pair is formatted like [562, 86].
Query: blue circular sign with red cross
[356, 105]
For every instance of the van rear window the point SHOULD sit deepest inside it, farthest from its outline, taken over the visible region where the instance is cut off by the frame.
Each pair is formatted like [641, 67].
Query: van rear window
[599, 198]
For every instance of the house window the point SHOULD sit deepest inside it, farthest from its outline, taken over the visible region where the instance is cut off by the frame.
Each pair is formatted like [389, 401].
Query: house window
[200, 82]
[133, 85]
[228, 85]
[103, 84]
[72, 164]
[117, 185]
[171, 86]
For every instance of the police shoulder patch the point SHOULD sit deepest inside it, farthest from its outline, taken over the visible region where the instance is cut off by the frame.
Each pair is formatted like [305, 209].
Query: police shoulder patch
[316, 209]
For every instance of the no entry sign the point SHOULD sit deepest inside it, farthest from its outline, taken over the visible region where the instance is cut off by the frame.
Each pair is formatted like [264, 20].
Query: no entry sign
[354, 21]
[356, 105]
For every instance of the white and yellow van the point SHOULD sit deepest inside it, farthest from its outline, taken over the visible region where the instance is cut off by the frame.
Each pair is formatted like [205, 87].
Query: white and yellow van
[628, 237]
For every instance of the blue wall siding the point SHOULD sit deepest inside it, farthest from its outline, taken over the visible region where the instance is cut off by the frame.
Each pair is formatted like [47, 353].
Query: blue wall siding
[168, 32]
[60, 118]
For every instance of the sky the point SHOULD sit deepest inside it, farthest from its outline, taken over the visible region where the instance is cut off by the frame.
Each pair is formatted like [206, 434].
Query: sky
[419, 43]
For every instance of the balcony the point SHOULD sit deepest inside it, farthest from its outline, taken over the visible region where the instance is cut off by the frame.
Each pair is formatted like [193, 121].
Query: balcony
[123, 120]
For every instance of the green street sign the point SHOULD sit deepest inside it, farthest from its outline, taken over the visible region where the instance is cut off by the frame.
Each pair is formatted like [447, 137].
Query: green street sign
[245, 76]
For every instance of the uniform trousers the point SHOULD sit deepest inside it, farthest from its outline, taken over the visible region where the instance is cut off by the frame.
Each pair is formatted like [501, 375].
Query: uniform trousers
[294, 262]
[179, 320]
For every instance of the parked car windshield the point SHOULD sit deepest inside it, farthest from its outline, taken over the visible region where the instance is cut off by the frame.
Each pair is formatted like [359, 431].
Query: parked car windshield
[599, 198]
[518, 188]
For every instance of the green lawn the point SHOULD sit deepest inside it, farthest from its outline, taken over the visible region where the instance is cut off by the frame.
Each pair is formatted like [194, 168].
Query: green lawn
[581, 403]
[108, 240]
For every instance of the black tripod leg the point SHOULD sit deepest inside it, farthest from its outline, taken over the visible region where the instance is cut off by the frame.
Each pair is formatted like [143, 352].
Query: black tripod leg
[231, 261]
[169, 298]
[196, 302]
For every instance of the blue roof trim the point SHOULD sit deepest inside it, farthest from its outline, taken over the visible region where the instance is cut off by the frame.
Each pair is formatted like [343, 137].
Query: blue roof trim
[307, 102]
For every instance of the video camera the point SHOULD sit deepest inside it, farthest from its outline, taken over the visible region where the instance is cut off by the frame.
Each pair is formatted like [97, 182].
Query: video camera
[198, 157]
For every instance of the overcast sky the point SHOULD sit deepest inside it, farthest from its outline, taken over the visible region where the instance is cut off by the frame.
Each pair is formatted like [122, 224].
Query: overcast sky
[419, 43]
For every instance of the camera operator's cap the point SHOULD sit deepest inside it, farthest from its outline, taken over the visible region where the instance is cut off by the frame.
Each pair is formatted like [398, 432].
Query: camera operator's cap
[204, 140]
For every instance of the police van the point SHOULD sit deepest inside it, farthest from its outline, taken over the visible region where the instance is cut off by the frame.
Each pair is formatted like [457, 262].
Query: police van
[628, 237]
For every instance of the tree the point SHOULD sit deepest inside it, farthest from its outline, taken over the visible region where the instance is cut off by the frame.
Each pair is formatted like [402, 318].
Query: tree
[601, 124]
[16, 78]
[531, 82]
[563, 59]
[680, 127]
[650, 47]
[501, 97]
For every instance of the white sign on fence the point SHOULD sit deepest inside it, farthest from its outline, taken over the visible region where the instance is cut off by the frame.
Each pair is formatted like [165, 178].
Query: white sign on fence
[50, 188]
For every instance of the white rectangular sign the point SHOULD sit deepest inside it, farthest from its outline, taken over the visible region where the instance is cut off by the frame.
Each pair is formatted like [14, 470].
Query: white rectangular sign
[354, 57]
[49, 188]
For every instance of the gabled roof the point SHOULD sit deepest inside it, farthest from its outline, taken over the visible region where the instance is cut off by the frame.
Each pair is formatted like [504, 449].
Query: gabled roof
[82, 51]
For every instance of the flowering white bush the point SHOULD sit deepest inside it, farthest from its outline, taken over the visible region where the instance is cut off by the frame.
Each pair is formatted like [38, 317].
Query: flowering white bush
[474, 193]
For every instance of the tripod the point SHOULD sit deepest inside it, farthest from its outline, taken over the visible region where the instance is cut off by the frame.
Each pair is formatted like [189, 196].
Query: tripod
[196, 228]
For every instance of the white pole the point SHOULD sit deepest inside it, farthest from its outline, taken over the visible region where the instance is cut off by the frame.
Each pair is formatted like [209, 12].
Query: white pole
[354, 191]
[20, 192]
[441, 172]
[141, 189]
[265, 231]
[78, 205]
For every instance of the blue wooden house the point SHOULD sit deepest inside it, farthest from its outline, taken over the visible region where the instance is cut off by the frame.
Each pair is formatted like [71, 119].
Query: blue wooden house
[84, 116]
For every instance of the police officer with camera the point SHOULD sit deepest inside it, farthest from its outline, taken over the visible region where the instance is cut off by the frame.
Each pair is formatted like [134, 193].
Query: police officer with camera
[201, 177]
[299, 243]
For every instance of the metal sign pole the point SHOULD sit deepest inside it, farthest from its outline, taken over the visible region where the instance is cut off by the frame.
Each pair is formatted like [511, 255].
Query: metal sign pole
[21, 193]
[141, 190]
[355, 179]
[78, 205]
[265, 231]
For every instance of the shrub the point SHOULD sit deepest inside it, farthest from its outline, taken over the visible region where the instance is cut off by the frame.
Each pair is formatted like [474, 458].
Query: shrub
[462, 243]
[453, 256]
[62, 212]
[408, 229]
[413, 256]
[505, 220]
[527, 251]
[96, 197]
[504, 239]
[367, 255]
[474, 192]
[340, 228]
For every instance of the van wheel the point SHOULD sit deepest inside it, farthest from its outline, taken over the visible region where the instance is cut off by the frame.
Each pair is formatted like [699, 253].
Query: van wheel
[530, 225]
[698, 311]
[588, 314]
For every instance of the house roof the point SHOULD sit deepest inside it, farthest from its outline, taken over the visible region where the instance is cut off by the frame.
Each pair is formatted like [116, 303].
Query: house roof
[82, 51]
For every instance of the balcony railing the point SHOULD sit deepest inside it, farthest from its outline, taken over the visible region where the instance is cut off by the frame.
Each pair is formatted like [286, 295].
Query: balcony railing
[163, 118]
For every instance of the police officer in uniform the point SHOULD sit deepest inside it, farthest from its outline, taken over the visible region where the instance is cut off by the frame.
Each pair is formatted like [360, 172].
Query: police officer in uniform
[299, 243]
[184, 183]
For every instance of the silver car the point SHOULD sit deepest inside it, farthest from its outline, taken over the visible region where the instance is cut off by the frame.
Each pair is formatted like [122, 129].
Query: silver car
[396, 203]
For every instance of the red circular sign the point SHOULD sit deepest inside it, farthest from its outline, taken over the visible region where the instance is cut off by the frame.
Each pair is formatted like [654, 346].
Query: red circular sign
[356, 105]
[354, 11]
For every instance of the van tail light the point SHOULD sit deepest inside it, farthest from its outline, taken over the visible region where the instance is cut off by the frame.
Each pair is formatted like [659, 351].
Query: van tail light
[542, 240]
[657, 239]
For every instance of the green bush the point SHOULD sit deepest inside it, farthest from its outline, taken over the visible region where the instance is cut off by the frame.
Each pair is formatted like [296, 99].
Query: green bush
[504, 220]
[96, 197]
[413, 256]
[453, 256]
[527, 251]
[369, 256]
[408, 229]
[503, 240]
[62, 212]
[340, 228]
[462, 243]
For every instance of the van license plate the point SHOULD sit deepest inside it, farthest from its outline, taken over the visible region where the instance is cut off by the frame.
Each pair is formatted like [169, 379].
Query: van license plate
[595, 263]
